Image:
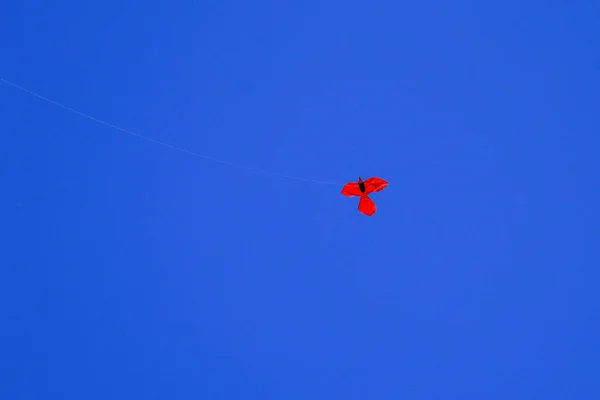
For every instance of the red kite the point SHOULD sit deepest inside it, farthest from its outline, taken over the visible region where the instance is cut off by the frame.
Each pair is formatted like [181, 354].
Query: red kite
[363, 189]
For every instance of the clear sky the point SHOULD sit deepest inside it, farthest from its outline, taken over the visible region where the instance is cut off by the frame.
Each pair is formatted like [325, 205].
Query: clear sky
[130, 270]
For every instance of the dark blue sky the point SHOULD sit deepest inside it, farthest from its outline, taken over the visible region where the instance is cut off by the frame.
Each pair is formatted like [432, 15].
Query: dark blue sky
[133, 271]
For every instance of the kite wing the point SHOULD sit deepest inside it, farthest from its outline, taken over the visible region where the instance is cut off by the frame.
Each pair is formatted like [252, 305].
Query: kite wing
[375, 185]
[351, 189]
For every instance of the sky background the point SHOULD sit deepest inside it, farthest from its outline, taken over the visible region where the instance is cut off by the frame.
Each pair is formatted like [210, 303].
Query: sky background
[133, 271]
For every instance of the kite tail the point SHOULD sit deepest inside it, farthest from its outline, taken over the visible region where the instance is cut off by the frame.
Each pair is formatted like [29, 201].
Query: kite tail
[366, 205]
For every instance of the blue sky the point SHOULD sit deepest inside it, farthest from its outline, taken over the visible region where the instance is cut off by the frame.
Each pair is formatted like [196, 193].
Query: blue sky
[133, 271]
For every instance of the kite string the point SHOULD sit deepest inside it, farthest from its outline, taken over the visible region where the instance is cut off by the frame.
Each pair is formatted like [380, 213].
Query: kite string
[180, 149]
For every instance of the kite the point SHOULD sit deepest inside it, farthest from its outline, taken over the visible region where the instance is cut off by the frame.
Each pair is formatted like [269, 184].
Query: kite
[363, 189]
